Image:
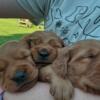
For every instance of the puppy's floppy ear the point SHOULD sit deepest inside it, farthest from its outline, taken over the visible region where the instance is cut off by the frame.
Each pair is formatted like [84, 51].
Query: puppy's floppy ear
[60, 64]
[22, 53]
[62, 43]
[29, 42]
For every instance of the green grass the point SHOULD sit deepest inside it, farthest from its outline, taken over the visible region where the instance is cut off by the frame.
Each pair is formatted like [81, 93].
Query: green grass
[10, 29]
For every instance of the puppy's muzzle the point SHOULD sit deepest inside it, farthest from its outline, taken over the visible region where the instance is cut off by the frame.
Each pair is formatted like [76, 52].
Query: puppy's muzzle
[20, 77]
[43, 53]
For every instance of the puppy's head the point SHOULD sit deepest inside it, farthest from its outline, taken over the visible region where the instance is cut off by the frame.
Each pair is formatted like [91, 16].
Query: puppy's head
[44, 46]
[17, 69]
[84, 55]
[83, 64]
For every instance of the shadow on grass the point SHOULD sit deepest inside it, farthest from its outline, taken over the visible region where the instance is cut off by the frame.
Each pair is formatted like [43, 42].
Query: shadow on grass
[16, 36]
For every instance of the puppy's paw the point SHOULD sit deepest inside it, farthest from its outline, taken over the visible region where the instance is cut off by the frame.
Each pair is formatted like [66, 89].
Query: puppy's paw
[61, 89]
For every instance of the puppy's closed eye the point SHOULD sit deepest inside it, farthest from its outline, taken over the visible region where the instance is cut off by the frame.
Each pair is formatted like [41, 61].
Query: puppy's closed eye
[37, 41]
[55, 43]
[88, 54]
[34, 41]
[91, 56]
[22, 53]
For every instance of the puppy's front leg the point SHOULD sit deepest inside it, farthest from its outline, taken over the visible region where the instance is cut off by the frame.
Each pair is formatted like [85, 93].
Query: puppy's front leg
[60, 88]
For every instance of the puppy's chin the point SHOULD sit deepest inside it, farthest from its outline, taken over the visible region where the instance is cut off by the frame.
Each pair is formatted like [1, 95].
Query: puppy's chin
[13, 88]
[26, 86]
[42, 63]
[44, 60]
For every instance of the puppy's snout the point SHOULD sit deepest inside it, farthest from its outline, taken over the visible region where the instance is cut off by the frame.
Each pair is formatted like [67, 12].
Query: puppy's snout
[20, 77]
[43, 52]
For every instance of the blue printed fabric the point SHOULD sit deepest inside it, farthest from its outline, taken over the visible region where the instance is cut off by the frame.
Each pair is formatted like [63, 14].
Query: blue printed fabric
[72, 20]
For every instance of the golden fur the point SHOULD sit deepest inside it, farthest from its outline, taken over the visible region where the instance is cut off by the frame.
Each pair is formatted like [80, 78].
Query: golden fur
[15, 57]
[80, 64]
[63, 67]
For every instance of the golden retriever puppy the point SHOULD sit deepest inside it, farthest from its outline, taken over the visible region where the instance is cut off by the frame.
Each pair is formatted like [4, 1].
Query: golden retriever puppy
[18, 72]
[84, 65]
[44, 48]
[80, 64]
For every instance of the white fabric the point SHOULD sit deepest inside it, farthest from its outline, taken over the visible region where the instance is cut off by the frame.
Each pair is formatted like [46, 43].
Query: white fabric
[41, 92]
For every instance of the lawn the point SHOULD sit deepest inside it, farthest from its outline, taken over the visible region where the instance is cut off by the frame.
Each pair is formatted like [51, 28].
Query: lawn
[10, 29]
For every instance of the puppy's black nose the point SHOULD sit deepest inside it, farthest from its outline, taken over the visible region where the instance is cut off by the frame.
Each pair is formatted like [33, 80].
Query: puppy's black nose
[43, 52]
[20, 77]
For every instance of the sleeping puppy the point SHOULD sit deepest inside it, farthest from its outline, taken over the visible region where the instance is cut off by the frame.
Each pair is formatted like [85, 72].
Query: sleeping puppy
[80, 64]
[17, 69]
[84, 65]
[44, 48]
